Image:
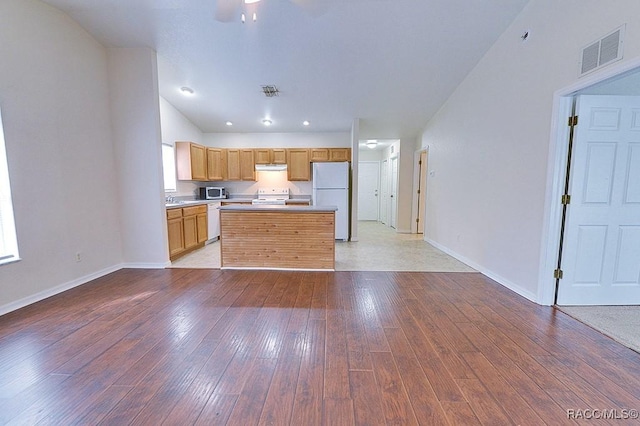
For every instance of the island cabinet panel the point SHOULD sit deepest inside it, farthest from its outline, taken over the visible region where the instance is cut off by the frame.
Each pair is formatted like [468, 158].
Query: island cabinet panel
[277, 239]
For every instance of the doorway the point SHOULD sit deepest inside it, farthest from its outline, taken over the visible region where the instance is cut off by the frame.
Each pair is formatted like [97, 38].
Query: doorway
[600, 256]
[420, 198]
[368, 190]
[620, 80]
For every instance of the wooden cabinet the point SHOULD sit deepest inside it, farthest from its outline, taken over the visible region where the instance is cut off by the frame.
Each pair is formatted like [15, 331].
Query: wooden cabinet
[319, 154]
[339, 154]
[298, 165]
[330, 154]
[279, 156]
[233, 164]
[190, 232]
[247, 165]
[191, 161]
[216, 164]
[187, 229]
[176, 237]
[201, 225]
[270, 156]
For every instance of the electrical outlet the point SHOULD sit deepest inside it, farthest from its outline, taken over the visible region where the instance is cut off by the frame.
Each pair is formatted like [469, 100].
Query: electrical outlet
[78, 256]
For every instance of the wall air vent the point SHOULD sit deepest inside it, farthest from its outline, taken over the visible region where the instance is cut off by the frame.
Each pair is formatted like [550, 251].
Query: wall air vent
[270, 91]
[602, 52]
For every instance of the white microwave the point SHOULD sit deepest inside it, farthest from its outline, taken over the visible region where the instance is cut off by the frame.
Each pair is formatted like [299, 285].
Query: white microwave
[212, 193]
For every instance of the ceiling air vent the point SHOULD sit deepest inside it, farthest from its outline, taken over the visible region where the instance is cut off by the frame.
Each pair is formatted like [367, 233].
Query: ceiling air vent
[602, 52]
[270, 91]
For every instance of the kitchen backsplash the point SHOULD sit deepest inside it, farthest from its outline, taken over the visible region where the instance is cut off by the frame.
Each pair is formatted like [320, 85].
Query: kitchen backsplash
[265, 180]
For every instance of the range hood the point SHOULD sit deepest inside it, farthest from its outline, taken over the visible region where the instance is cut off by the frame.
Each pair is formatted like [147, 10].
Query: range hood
[271, 167]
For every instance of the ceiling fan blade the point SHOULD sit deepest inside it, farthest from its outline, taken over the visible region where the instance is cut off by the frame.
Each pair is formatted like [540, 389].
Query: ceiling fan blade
[312, 7]
[226, 10]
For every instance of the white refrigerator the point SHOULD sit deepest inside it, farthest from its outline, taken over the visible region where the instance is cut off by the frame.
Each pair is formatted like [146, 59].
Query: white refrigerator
[331, 188]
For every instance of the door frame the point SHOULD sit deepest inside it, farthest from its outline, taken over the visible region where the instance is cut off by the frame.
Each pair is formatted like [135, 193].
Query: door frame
[556, 170]
[415, 206]
[393, 192]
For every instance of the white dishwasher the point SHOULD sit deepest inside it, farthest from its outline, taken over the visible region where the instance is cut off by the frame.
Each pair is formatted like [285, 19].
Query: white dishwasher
[213, 219]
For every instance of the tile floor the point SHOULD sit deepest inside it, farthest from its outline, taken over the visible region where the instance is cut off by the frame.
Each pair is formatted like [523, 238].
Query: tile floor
[379, 248]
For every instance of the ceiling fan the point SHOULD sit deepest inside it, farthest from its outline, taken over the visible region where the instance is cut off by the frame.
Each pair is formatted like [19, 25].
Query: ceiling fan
[228, 10]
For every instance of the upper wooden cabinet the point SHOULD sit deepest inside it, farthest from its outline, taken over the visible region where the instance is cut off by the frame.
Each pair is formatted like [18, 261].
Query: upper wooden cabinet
[216, 164]
[191, 161]
[339, 154]
[270, 156]
[330, 154]
[247, 165]
[233, 164]
[298, 164]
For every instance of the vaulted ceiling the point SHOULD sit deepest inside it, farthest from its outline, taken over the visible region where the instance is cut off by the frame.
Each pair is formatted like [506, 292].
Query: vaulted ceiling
[391, 63]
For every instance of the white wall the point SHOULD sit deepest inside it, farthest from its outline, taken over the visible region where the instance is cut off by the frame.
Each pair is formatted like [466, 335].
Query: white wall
[135, 112]
[279, 140]
[55, 104]
[176, 127]
[489, 143]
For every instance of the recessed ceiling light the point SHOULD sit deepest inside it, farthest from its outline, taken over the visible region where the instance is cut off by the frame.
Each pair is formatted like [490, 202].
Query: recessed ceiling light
[305, 123]
[186, 90]
[267, 122]
[251, 1]
[228, 123]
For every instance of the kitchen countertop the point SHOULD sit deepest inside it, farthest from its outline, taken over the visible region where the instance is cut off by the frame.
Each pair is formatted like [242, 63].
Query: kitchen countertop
[281, 208]
[187, 203]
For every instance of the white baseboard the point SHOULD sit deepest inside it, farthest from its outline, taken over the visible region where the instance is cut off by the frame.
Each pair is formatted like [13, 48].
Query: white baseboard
[135, 265]
[497, 278]
[56, 290]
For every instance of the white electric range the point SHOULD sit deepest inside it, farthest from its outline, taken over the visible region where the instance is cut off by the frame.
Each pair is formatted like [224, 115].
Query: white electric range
[272, 196]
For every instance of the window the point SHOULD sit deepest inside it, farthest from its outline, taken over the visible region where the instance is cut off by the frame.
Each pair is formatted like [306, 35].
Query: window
[169, 167]
[8, 240]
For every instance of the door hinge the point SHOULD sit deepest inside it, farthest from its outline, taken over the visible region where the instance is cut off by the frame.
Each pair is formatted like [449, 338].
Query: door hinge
[418, 191]
[420, 162]
[566, 199]
[557, 274]
[573, 121]
[417, 219]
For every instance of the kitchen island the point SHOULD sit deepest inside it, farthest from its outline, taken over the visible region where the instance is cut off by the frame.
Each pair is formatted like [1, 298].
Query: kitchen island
[277, 237]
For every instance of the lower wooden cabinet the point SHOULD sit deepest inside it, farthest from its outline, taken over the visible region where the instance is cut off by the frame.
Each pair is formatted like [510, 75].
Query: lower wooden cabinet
[187, 229]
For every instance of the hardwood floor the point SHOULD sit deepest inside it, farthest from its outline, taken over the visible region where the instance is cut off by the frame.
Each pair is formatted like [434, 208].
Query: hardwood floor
[180, 346]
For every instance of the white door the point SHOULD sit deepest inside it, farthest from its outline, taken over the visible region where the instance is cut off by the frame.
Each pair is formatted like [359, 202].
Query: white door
[368, 189]
[393, 196]
[384, 198]
[601, 254]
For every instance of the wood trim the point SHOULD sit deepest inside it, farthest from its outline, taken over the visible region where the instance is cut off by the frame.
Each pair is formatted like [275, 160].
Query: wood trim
[290, 240]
